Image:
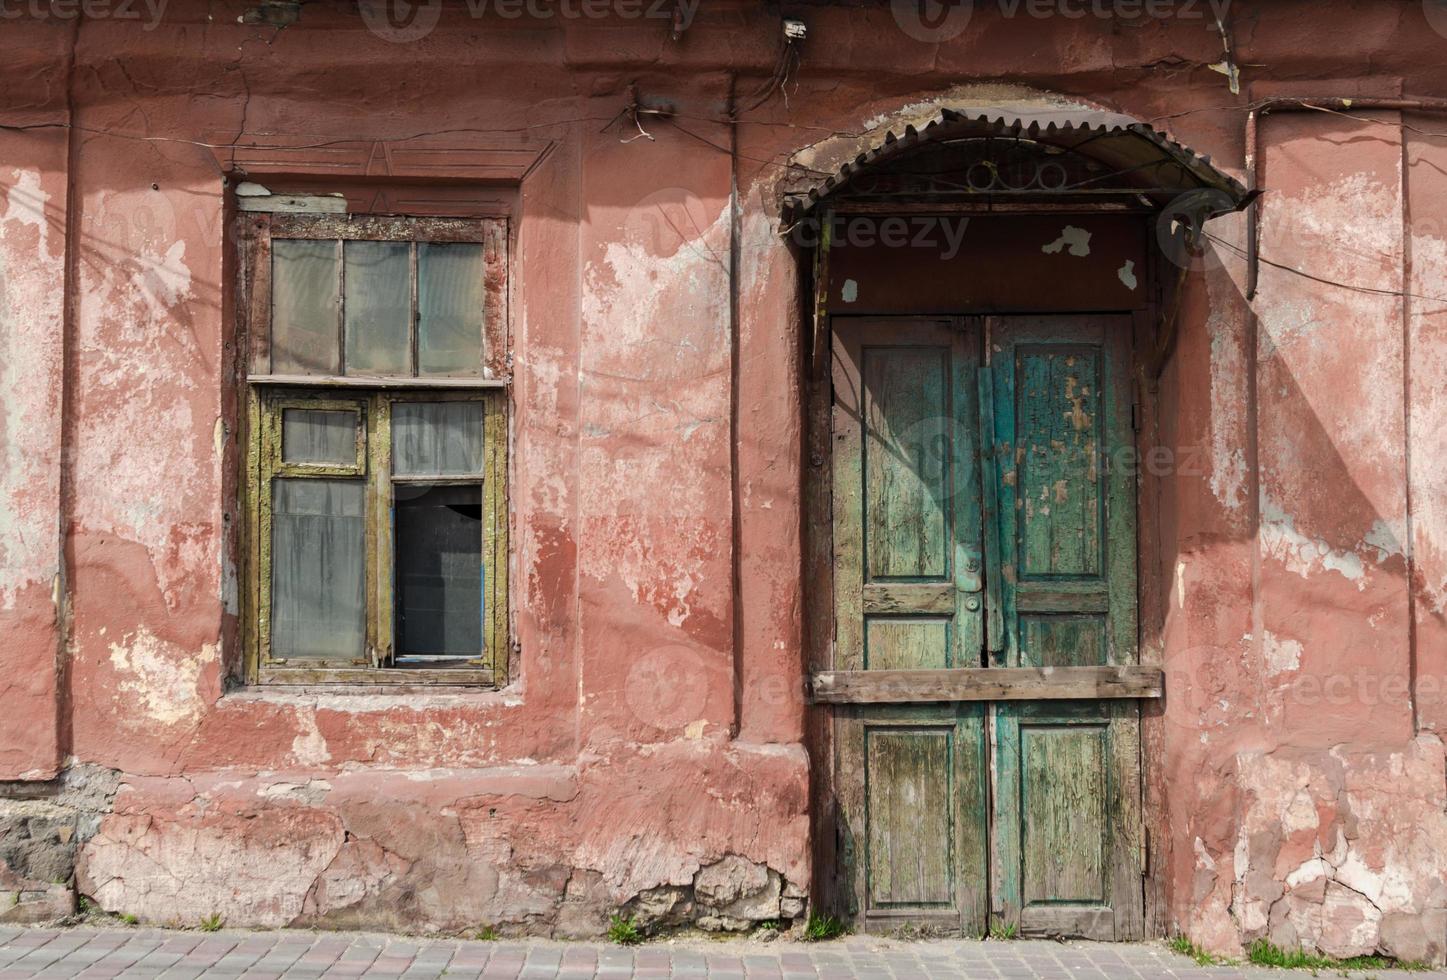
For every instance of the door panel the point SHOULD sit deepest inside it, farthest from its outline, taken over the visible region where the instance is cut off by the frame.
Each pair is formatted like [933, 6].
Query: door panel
[1062, 813]
[913, 797]
[907, 554]
[910, 798]
[1057, 393]
[907, 519]
[1066, 855]
[900, 643]
[908, 580]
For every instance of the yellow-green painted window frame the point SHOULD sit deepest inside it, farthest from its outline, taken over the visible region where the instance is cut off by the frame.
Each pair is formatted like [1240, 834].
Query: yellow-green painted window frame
[264, 464]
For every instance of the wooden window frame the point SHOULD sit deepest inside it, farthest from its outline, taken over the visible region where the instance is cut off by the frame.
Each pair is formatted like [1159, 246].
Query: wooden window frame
[373, 398]
[263, 228]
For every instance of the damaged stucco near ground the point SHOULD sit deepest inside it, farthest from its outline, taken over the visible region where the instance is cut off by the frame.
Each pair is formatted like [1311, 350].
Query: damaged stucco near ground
[1304, 769]
[650, 757]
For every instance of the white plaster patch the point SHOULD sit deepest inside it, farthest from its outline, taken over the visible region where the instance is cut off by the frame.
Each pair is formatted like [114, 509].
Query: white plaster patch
[166, 279]
[1126, 274]
[310, 747]
[1074, 241]
[1282, 653]
[850, 292]
[1386, 537]
[159, 676]
[30, 356]
[25, 202]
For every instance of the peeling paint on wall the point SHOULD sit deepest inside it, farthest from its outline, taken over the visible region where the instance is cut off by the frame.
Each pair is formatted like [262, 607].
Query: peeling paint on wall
[160, 680]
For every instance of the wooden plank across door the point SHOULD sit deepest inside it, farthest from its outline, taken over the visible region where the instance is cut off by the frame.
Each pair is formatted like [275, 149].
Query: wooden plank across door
[987, 684]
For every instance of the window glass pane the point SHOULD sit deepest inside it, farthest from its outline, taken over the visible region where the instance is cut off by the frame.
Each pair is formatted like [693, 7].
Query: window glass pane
[439, 571]
[304, 307]
[378, 306]
[436, 438]
[310, 435]
[449, 308]
[317, 549]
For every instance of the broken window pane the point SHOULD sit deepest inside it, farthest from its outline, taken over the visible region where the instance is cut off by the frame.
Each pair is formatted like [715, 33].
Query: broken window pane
[317, 576]
[378, 307]
[449, 308]
[436, 438]
[310, 435]
[304, 278]
[439, 571]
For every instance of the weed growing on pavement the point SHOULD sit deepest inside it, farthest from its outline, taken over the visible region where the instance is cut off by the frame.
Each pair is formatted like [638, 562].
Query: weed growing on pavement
[1184, 946]
[623, 932]
[1266, 953]
[822, 927]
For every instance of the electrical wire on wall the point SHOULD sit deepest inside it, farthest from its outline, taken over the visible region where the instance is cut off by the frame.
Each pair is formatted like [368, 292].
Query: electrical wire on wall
[786, 66]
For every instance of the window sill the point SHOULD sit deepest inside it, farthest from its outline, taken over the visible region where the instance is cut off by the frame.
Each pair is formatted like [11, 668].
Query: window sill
[374, 680]
[367, 381]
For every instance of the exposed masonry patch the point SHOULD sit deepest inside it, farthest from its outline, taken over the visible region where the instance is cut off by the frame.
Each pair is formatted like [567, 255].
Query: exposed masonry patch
[42, 827]
[733, 894]
[1339, 852]
[1126, 274]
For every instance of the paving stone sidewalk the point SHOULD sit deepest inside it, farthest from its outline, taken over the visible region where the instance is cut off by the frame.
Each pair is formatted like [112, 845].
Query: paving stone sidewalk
[89, 952]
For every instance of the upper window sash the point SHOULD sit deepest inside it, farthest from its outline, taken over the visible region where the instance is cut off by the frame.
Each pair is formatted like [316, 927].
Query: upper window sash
[437, 273]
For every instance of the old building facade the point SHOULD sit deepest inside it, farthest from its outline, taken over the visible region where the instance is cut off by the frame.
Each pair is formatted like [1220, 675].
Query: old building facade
[516, 464]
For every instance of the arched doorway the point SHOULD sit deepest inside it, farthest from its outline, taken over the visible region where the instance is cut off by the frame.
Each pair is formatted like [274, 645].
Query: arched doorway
[990, 292]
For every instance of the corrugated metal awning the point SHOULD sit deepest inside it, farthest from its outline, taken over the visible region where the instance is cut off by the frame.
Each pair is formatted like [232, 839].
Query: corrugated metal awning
[1086, 152]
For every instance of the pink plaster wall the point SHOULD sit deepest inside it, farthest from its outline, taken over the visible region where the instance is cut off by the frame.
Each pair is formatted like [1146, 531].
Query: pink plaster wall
[656, 725]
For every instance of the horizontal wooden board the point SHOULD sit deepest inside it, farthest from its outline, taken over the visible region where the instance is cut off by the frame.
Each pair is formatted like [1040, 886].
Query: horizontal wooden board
[1068, 922]
[986, 684]
[933, 598]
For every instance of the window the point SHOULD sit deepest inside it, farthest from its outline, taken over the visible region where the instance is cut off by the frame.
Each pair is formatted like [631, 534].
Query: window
[376, 471]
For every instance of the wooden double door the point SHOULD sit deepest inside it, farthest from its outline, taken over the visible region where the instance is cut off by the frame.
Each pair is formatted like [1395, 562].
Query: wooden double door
[984, 677]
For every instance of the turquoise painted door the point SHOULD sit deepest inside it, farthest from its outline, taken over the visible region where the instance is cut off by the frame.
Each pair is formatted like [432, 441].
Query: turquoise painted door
[983, 519]
[1066, 786]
